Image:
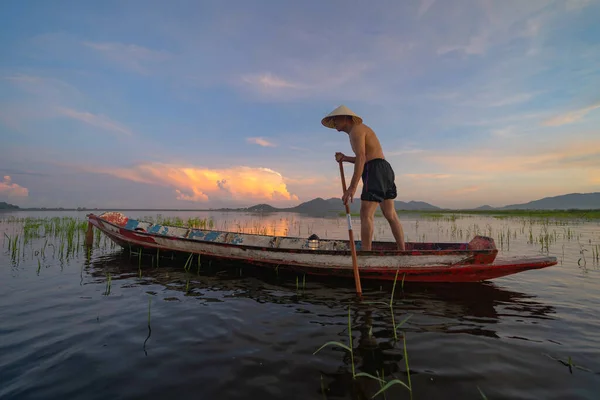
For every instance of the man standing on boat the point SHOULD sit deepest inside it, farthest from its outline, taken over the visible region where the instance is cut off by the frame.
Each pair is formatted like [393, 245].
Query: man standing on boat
[377, 174]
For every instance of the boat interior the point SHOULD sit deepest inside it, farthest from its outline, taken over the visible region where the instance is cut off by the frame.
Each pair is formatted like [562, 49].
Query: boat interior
[280, 242]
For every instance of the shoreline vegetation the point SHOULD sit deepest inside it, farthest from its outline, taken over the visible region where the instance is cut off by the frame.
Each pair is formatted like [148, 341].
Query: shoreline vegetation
[566, 206]
[569, 213]
[334, 207]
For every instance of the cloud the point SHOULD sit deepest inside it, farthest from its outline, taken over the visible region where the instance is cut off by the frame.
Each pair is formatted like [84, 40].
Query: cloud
[570, 117]
[269, 81]
[12, 189]
[260, 141]
[199, 184]
[47, 89]
[317, 79]
[99, 121]
[47, 99]
[196, 196]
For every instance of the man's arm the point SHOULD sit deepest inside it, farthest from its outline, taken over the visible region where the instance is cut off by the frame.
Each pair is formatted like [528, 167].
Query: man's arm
[350, 159]
[357, 141]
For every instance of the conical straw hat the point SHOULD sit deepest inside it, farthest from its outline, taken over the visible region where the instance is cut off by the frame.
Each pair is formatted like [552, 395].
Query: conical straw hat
[341, 110]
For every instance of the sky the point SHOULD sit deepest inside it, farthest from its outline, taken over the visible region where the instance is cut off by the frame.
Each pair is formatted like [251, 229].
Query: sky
[210, 104]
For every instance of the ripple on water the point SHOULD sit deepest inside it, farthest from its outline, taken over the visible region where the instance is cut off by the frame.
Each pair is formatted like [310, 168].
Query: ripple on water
[236, 337]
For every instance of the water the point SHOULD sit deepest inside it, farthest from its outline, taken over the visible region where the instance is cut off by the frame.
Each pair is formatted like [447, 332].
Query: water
[233, 332]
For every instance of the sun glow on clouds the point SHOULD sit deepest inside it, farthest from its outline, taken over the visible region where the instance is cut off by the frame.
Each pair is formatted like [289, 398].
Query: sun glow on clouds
[12, 189]
[204, 184]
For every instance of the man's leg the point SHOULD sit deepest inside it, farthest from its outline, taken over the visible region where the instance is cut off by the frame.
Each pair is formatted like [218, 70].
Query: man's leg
[389, 212]
[367, 211]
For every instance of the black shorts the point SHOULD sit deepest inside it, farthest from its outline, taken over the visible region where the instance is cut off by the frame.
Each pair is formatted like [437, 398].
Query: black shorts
[378, 181]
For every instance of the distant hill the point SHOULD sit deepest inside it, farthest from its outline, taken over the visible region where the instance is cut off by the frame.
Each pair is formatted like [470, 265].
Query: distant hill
[484, 208]
[572, 201]
[262, 208]
[6, 206]
[320, 206]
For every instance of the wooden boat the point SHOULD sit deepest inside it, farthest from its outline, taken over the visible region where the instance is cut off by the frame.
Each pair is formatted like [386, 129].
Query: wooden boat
[424, 262]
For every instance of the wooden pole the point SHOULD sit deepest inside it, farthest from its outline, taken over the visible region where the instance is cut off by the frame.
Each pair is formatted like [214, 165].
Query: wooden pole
[89, 235]
[351, 236]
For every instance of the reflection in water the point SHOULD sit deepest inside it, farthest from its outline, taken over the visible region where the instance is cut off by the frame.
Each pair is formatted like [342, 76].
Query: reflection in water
[239, 331]
[471, 308]
[469, 303]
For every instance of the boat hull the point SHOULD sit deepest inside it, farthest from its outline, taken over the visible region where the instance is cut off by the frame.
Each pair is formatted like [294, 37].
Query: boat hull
[423, 262]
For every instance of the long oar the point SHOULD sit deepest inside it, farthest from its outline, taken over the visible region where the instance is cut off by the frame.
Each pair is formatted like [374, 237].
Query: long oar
[351, 235]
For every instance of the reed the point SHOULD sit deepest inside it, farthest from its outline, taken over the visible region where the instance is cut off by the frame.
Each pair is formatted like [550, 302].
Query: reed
[384, 385]
[348, 347]
[108, 284]
[483, 396]
[396, 381]
[140, 263]
[149, 328]
[188, 263]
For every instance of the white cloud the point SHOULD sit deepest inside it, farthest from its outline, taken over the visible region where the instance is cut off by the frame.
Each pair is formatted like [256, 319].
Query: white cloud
[260, 141]
[269, 81]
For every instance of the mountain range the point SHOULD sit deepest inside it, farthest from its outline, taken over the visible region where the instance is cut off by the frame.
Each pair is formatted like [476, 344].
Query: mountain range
[320, 206]
[583, 201]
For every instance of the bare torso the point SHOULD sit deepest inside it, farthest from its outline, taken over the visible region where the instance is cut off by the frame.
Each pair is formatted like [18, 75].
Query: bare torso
[372, 146]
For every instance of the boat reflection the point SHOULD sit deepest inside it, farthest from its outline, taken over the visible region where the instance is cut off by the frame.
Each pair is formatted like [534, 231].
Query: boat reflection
[470, 308]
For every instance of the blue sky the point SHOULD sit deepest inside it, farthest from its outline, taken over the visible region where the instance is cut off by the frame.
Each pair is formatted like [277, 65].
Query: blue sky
[209, 104]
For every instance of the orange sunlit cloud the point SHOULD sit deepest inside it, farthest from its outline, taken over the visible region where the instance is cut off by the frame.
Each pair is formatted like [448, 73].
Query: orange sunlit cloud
[204, 184]
[12, 189]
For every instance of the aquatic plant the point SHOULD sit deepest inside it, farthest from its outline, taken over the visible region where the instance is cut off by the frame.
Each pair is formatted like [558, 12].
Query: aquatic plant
[108, 284]
[384, 385]
[348, 347]
[149, 328]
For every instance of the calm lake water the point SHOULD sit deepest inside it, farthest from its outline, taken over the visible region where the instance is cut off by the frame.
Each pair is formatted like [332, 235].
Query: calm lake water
[69, 331]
